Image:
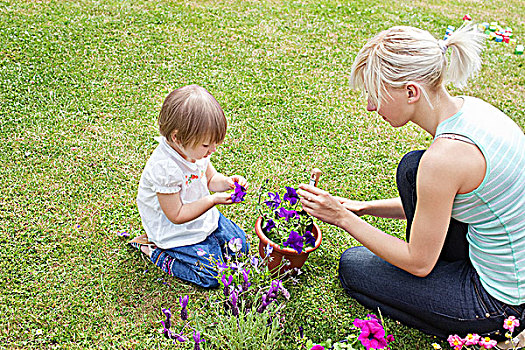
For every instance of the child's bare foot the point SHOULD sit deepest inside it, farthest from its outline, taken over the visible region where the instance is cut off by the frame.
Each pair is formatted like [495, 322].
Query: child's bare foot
[147, 249]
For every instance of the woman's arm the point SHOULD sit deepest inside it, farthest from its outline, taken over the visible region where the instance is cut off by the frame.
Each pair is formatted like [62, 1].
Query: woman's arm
[179, 213]
[385, 208]
[438, 180]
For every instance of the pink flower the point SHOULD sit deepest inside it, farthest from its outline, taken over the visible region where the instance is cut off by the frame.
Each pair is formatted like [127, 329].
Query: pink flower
[390, 338]
[372, 334]
[471, 339]
[455, 341]
[317, 347]
[510, 323]
[487, 343]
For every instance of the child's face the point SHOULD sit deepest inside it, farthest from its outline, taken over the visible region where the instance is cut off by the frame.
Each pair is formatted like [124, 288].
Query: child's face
[193, 153]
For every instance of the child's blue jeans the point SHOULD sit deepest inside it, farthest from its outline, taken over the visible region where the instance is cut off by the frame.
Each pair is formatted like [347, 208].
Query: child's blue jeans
[186, 264]
[450, 300]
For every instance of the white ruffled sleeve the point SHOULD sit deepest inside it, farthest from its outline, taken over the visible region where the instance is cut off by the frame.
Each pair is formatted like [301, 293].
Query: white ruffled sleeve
[166, 177]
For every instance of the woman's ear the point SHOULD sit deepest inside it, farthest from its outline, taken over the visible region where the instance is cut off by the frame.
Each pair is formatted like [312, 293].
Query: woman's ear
[413, 92]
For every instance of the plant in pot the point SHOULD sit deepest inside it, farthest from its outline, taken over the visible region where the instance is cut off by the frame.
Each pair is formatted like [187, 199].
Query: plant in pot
[286, 232]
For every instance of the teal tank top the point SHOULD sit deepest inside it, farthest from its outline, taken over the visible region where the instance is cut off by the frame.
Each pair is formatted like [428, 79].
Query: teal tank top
[495, 211]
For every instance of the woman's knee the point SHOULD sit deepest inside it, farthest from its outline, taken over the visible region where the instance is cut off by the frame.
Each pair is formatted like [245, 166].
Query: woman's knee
[407, 168]
[352, 266]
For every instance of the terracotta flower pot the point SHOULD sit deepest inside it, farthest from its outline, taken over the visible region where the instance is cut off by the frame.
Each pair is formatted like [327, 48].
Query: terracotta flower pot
[296, 260]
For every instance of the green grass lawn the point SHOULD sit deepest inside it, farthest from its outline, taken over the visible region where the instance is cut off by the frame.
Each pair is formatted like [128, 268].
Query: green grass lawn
[81, 86]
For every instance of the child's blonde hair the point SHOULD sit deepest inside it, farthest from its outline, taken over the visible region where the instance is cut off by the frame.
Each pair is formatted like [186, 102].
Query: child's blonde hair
[194, 115]
[401, 54]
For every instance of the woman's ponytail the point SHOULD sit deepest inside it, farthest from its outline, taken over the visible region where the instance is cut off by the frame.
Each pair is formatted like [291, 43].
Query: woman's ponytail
[465, 44]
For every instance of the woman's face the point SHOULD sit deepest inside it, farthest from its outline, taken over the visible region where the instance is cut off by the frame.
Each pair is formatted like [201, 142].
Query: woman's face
[395, 108]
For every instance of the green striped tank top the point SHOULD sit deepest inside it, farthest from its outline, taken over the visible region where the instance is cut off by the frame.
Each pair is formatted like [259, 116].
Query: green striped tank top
[495, 211]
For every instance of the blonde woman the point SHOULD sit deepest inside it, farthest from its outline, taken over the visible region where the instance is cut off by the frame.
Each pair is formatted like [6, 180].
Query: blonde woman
[462, 266]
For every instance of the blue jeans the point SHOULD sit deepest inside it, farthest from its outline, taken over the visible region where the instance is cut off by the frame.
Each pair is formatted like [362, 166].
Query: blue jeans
[450, 300]
[186, 264]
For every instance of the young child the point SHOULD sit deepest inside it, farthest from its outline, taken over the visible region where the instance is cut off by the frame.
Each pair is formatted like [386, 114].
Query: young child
[174, 201]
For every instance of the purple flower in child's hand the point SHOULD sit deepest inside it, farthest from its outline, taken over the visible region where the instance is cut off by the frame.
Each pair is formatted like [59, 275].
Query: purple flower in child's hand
[274, 201]
[239, 193]
[291, 195]
[270, 224]
[295, 241]
[287, 214]
[309, 238]
[235, 244]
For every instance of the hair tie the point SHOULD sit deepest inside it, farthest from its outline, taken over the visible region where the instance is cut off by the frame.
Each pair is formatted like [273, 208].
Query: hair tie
[443, 46]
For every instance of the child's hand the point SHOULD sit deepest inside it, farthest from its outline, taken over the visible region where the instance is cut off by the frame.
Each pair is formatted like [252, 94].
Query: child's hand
[222, 198]
[239, 179]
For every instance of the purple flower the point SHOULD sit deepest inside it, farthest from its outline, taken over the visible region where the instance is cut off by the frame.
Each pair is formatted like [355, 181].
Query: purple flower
[317, 347]
[291, 195]
[235, 244]
[372, 334]
[274, 201]
[222, 266]
[167, 313]
[227, 280]
[246, 284]
[287, 214]
[166, 331]
[233, 300]
[124, 234]
[236, 266]
[180, 337]
[309, 238]
[239, 193]
[270, 224]
[254, 261]
[295, 241]
[268, 250]
[197, 339]
[183, 301]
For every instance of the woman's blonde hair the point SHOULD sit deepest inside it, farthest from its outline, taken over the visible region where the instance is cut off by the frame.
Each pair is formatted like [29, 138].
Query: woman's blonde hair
[401, 54]
[194, 114]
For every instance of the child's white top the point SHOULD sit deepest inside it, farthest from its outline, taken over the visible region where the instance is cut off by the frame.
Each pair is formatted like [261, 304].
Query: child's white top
[167, 171]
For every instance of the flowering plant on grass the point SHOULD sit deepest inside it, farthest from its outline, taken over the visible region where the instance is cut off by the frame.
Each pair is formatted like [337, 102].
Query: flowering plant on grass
[244, 313]
[475, 341]
[284, 221]
[372, 335]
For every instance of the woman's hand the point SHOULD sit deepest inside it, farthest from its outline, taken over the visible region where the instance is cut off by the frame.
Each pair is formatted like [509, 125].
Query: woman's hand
[356, 207]
[322, 204]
